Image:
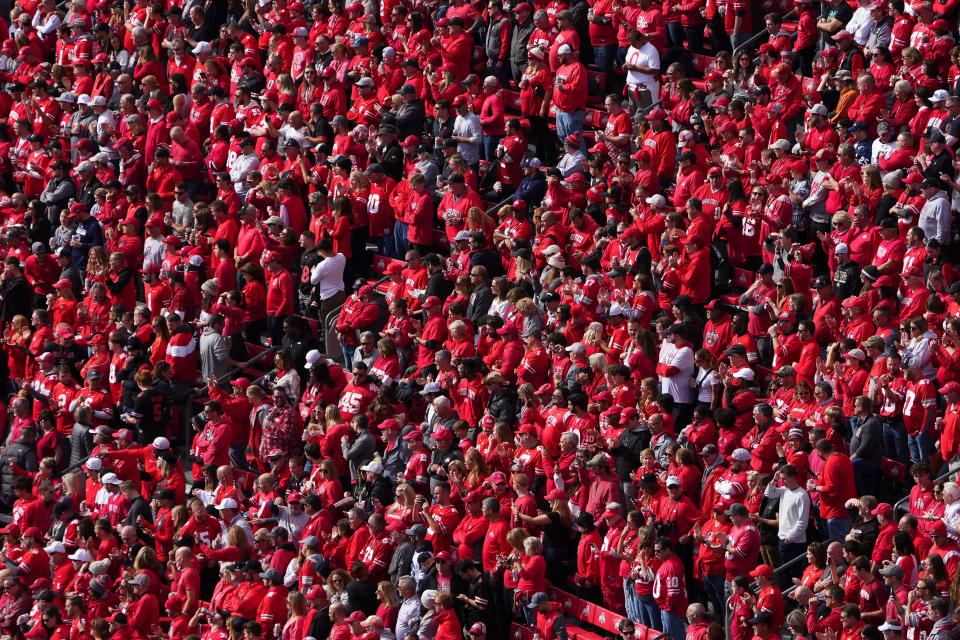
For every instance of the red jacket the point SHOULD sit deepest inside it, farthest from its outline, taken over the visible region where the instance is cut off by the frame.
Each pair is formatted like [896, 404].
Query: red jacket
[838, 486]
[144, 615]
[182, 356]
[273, 610]
[570, 90]
[695, 278]
[280, 294]
[448, 626]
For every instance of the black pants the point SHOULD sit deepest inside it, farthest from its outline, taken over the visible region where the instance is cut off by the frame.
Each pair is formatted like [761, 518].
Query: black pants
[275, 329]
[238, 348]
[358, 246]
[253, 331]
[543, 140]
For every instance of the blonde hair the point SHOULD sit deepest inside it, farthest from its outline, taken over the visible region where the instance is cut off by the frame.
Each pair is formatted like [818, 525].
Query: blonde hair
[388, 593]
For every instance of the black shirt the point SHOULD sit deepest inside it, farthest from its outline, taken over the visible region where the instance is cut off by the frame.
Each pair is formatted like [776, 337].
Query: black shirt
[153, 404]
[391, 159]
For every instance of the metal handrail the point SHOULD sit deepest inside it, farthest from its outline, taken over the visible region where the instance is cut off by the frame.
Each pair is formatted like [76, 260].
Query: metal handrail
[897, 505]
[499, 204]
[756, 36]
[228, 375]
[331, 317]
[943, 476]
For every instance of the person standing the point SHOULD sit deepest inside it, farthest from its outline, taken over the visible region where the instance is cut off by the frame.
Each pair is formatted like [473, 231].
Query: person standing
[670, 590]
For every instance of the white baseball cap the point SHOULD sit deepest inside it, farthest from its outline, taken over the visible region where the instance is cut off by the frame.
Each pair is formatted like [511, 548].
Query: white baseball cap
[111, 478]
[94, 464]
[81, 555]
[228, 503]
[55, 547]
[374, 466]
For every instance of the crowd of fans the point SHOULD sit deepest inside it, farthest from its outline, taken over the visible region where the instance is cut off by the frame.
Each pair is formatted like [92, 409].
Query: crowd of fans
[668, 331]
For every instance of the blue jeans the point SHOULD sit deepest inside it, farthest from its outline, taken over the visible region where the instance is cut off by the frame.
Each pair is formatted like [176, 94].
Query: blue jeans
[400, 242]
[921, 447]
[789, 551]
[865, 474]
[674, 626]
[714, 588]
[895, 440]
[568, 123]
[675, 36]
[694, 37]
[837, 528]
[631, 601]
[490, 148]
[650, 613]
[604, 57]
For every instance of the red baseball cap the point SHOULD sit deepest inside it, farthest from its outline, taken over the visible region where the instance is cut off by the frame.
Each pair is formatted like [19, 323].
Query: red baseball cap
[764, 570]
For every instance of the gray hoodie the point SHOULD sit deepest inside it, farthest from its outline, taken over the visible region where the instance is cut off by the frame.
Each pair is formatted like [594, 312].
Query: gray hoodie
[935, 218]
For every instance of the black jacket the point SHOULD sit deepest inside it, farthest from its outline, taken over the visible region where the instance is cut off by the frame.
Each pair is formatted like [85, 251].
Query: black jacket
[503, 407]
[438, 285]
[627, 453]
[391, 159]
[490, 259]
[479, 303]
[17, 296]
[381, 490]
[410, 118]
[846, 280]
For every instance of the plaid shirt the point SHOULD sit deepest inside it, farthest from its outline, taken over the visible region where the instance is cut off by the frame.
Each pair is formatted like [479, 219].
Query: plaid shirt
[280, 431]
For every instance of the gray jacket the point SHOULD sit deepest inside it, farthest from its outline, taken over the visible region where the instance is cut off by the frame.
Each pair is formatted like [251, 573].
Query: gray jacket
[214, 350]
[494, 33]
[935, 218]
[518, 47]
[360, 452]
[81, 443]
[24, 455]
[867, 440]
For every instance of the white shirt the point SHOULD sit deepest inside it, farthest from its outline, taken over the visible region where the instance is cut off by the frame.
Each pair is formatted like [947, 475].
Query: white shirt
[881, 149]
[706, 379]
[468, 126]
[327, 275]
[46, 23]
[860, 25]
[794, 513]
[645, 56]
[106, 123]
[242, 167]
[677, 385]
[154, 251]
